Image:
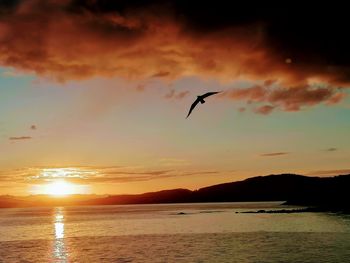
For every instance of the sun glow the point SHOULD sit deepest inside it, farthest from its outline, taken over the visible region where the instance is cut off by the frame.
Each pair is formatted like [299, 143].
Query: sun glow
[56, 181]
[60, 188]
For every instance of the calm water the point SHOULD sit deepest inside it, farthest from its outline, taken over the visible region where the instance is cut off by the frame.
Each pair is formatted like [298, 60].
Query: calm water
[158, 233]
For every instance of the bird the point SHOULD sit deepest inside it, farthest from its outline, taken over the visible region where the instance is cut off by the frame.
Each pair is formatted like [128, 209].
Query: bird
[201, 100]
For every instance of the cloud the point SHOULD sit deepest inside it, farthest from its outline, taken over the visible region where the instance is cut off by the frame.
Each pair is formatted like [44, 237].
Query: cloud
[330, 172]
[182, 94]
[173, 162]
[93, 174]
[161, 74]
[21, 138]
[173, 95]
[273, 154]
[140, 87]
[288, 99]
[241, 109]
[170, 94]
[336, 98]
[286, 46]
[13, 74]
[265, 110]
[332, 149]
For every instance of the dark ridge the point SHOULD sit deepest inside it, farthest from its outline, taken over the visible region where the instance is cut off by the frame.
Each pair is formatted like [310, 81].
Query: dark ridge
[165, 196]
[319, 193]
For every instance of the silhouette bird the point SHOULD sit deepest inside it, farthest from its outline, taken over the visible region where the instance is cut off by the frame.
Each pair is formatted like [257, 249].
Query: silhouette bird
[201, 100]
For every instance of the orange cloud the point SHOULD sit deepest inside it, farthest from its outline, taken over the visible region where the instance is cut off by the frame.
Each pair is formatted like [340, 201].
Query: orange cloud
[94, 174]
[67, 40]
[266, 109]
[286, 98]
[161, 74]
[173, 95]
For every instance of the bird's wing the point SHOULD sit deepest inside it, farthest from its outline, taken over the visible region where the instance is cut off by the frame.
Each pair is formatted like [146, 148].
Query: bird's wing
[194, 104]
[209, 94]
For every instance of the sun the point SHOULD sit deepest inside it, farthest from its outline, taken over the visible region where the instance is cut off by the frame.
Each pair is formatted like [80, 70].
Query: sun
[60, 188]
[56, 181]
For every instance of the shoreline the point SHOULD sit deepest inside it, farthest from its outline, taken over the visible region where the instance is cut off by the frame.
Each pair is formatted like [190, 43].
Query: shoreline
[298, 210]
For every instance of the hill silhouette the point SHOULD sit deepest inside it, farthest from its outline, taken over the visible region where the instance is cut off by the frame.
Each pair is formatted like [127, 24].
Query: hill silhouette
[165, 196]
[326, 193]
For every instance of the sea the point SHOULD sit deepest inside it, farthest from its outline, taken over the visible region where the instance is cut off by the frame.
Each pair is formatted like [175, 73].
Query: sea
[205, 232]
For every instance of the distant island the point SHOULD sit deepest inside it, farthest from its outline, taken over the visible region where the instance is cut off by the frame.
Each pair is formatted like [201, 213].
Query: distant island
[317, 193]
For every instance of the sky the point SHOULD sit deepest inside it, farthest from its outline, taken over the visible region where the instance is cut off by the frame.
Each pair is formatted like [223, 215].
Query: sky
[96, 93]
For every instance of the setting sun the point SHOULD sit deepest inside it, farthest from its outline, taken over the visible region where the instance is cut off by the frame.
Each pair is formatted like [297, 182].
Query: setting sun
[60, 188]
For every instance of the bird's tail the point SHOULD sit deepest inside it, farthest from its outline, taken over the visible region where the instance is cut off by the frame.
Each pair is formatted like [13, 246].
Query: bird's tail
[202, 101]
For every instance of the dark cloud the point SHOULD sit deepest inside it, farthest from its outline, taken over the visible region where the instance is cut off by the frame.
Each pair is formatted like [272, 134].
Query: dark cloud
[7, 6]
[20, 138]
[332, 149]
[302, 51]
[273, 154]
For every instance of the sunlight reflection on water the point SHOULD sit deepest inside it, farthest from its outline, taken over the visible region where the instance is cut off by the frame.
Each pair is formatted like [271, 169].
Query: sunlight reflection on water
[59, 249]
[172, 233]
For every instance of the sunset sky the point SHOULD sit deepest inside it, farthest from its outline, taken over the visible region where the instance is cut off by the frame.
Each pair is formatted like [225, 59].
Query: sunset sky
[96, 93]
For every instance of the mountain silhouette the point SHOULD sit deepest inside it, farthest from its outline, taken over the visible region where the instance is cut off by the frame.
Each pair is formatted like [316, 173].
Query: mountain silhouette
[328, 193]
